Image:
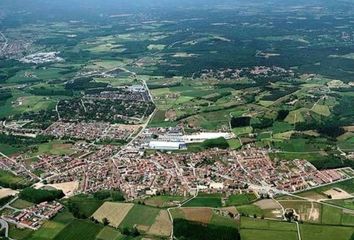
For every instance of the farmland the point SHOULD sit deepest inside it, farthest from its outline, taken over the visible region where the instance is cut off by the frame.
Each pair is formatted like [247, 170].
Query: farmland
[107, 101]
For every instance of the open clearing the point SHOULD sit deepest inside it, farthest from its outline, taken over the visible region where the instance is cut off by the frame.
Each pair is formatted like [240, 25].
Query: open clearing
[267, 204]
[5, 192]
[337, 193]
[68, 188]
[114, 212]
[162, 225]
[307, 211]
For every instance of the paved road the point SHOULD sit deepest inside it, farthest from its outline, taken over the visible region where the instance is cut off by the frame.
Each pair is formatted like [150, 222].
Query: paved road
[4, 225]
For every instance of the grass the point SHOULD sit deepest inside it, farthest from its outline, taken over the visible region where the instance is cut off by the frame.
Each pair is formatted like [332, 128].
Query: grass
[79, 230]
[204, 201]
[242, 130]
[250, 210]
[108, 233]
[54, 148]
[87, 205]
[256, 234]
[7, 179]
[9, 150]
[141, 215]
[240, 199]
[346, 203]
[163, 200]
[320, 232]
[217, 219]
[257, 229]
[21, 204]
[52, 228]
[234, 143]
[19, 234]
[331, 215]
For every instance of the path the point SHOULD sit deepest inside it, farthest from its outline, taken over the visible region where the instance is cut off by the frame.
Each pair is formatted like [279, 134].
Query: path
[179, 206]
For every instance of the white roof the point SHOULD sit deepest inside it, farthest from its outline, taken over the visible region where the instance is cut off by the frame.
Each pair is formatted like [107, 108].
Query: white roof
[165, 144]
[206, 135]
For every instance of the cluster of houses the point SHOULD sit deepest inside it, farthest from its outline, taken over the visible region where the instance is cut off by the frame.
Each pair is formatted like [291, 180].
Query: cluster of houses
[33, 217]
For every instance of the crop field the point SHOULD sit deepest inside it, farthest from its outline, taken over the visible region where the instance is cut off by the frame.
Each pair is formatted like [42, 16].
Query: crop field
[108, 233]
[86, 204]
[79, 230]
[254, 229]
[346, 203]
[54, 148]
[162, 225]
[21, 204]
[7, 179]
[143, 216]
[204, 201]
[308, 211]
[114, 212]
[318, 232]
[240, 199]
[200, 214]
[52, 228]
[163, 201]
[250, 210]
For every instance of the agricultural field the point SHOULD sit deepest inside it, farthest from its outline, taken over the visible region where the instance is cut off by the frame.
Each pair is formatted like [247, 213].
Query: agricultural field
[213, 201]
[114, 212]
[79, 229]
[141, 216]
[240, 199]
[9, 180]
[251, 228]
[322, 232]
[163, 201]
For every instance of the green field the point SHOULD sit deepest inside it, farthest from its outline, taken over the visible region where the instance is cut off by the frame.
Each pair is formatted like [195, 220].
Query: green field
[250, 210]
[52, 228]
[54, 148]
[141, 215]
[21, 204]
[240, 199]
[19, 233]
[257, 229]
[318, 232]
[9, 180]
[108, 233]
[79, 230]
[204, 201]
[87, 205]
[163, 200]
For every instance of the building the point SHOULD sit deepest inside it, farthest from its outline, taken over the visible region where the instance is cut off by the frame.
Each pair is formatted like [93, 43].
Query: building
[161, 145]
[201, 137]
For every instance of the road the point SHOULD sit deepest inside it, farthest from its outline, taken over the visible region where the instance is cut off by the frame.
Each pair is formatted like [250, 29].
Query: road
[4, 225]
[179, 206]
[5, 44]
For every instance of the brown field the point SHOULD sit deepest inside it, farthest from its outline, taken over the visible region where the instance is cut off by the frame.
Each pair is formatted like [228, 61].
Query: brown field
[312, 195]
[308, 211]
[114, 212]
[68, 188]
[5, 192]
[337, 193]
[232, 210]
[200, 214]
[162, 225]
[349, 128]
[267, 204]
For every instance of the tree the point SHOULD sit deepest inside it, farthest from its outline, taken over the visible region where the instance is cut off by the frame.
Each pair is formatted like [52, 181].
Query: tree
[105, 221]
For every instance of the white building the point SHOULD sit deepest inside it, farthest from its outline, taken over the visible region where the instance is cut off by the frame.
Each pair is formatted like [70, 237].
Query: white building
[201, 137]
[161, 145]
